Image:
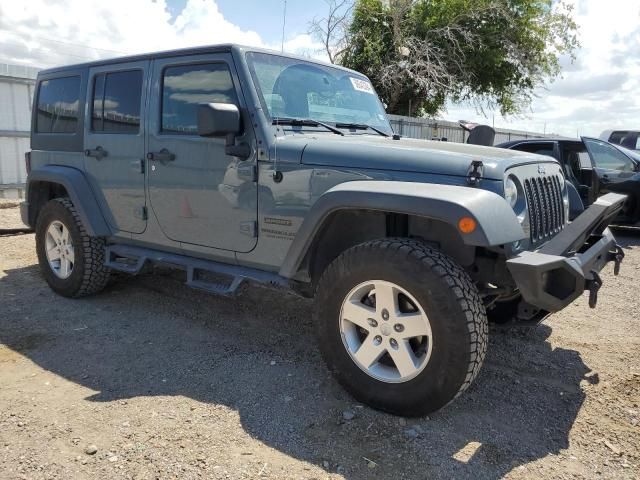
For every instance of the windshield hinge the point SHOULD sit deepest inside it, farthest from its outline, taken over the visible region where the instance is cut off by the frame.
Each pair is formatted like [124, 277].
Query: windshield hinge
[475, 172]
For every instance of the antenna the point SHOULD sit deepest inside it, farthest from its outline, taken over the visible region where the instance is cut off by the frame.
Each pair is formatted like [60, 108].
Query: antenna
[284, 22]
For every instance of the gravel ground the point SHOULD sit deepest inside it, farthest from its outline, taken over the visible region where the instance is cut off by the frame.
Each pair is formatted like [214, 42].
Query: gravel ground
[150, 379]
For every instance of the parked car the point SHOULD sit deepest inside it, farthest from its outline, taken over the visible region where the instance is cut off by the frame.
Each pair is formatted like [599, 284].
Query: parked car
[237, 164]
[625, 138]
[593, 167]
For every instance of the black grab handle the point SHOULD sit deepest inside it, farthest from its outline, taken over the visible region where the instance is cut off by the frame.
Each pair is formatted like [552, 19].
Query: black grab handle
[97, 152]
[163, 155]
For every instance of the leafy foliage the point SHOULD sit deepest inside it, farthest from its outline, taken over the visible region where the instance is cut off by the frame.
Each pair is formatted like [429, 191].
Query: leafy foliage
[492, 53]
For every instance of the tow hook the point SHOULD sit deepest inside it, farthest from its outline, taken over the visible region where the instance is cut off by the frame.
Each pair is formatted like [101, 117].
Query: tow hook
[617, 255]
[593, 286]
[474, 174]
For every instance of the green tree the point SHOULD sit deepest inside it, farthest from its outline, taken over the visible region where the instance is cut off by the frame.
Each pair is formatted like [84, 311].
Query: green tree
[492, 53]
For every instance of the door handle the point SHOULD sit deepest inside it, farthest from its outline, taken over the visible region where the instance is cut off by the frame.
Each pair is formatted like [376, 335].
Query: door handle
[162, 156]
[97, 152]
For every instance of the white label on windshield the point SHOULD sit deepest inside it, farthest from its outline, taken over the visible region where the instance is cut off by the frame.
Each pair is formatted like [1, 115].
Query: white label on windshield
[361, 85]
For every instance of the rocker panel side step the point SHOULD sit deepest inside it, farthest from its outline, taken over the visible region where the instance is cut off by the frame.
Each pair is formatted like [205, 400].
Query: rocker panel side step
[138, 256]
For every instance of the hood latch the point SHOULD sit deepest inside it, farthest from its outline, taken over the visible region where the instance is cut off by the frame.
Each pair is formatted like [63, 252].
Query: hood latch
[475, 172]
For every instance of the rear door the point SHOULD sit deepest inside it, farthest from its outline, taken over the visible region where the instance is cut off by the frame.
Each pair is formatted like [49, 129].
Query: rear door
[114, 142]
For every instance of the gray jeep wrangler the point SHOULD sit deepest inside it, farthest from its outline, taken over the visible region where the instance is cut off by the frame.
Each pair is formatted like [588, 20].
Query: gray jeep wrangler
[238, 164]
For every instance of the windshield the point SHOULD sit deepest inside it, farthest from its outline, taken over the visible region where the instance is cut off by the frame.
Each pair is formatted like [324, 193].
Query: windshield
[293, 88]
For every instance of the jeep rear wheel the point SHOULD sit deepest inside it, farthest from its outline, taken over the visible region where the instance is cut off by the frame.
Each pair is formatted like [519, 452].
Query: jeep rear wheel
[400, 325]
[70, 260]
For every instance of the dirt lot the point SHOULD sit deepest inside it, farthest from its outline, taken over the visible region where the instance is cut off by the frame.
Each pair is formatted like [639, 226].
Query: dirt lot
[166, 382]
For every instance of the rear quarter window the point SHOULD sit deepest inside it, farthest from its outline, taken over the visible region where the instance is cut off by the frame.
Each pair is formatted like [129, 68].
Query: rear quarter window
[58, 105]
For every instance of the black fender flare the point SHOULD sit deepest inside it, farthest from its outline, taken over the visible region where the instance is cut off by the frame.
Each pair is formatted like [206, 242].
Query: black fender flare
[497, 224]
[80, 193]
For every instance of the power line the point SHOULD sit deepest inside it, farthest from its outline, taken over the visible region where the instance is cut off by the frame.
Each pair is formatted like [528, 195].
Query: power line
[43, 48]
[80, 46]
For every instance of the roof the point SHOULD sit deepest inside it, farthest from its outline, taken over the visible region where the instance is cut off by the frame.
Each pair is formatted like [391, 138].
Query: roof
[220, 48]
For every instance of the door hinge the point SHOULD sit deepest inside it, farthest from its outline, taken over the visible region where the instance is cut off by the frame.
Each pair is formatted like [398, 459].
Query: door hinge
[250, 229]
[474, 174]
[255, 173]
[141, 213]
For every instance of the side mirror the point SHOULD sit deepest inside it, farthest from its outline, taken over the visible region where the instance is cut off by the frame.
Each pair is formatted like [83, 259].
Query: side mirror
[218, 119]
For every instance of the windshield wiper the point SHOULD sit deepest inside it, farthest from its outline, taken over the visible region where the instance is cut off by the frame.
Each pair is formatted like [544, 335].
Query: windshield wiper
[304, 122]
[362, 126]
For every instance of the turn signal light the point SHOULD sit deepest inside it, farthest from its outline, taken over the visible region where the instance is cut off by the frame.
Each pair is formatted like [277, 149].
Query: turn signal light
[467, 224]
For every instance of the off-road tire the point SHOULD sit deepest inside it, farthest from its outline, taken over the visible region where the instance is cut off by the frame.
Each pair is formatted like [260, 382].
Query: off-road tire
[89, 274]
[450, 300]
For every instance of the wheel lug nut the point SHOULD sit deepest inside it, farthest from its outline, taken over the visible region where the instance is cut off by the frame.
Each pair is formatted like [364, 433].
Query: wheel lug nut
[385, 314]
[377, 340]
[393, 343]
[372, 322]
[398, 327]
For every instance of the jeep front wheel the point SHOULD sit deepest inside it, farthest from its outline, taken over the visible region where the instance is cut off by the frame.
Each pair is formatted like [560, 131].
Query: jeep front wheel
[401, 325]
[71, 261]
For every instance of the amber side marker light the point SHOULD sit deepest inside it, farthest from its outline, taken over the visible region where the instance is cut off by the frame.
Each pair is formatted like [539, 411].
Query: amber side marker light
[467, 224]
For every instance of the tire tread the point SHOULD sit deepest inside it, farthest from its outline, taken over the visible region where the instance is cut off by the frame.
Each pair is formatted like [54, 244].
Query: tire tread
[95, 273]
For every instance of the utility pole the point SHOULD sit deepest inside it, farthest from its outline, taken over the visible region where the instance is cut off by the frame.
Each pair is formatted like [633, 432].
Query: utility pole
[284, 22]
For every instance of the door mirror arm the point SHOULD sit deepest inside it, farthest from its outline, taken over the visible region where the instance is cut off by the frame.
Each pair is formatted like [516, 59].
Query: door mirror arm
[242, 150]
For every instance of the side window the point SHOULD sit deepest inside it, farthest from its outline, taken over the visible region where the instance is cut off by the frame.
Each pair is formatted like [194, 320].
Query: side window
[57, 110]
[116, 102]
[539, 148]
[607, 156]
[185, 86]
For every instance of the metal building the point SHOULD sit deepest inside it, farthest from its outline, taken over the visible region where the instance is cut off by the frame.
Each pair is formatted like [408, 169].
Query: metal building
[428, 129]
[16, 95]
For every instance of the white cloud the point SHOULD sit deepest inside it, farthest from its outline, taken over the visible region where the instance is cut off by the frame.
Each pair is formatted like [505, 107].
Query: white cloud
[43, 33]
[597, 92]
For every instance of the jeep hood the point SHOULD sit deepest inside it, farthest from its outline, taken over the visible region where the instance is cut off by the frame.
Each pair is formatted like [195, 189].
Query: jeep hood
[404, 155]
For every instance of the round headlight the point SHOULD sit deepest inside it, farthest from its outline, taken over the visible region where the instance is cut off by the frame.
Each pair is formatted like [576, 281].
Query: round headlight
[511, 192]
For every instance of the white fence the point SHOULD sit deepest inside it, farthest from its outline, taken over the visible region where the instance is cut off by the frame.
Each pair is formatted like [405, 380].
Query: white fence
[16, 95]
[438, 129]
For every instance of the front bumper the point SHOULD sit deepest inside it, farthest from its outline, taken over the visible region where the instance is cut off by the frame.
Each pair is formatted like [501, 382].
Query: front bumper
[553, 276]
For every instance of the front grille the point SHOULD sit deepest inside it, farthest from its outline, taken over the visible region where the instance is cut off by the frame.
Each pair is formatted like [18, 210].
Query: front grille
[546, 208]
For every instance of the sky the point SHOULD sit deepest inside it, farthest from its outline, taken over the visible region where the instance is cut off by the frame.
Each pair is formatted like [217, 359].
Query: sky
[599, 91]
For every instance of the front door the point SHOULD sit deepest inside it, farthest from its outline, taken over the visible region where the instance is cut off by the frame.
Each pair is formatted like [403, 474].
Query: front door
[197, 192]
[114, 143]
